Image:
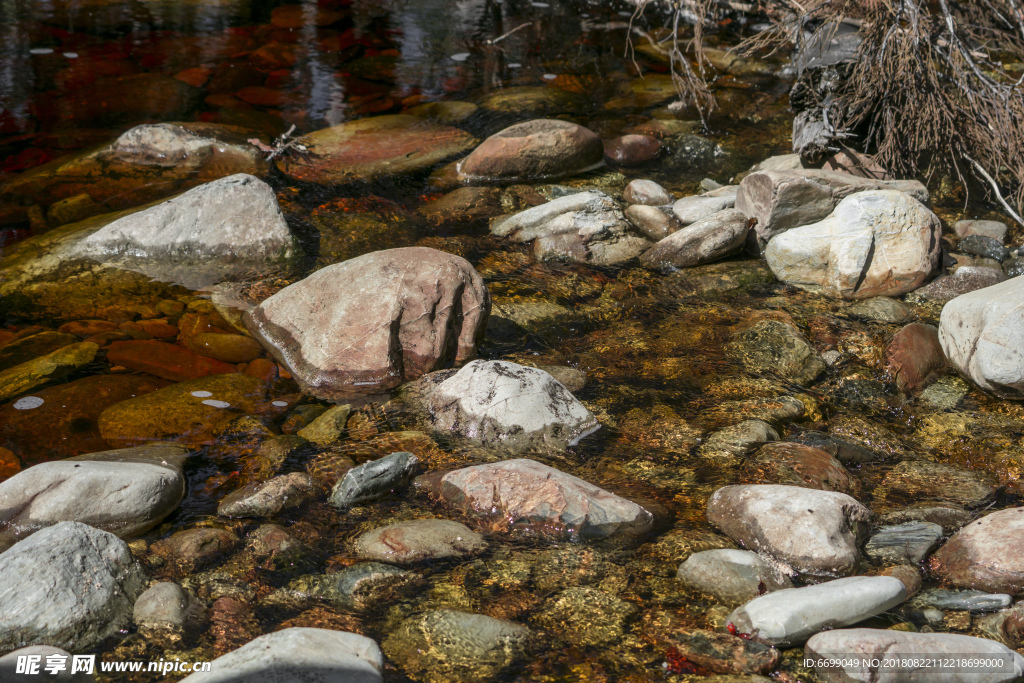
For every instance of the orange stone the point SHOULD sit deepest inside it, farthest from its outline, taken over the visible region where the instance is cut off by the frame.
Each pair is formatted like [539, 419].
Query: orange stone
[87, 328]
[263, 369]
[196, 77]
[9, 464]
[160, 329]
[169, 361]
[230, 348]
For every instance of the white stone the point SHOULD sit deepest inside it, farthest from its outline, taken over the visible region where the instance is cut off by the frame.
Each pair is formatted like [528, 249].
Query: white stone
[789, 617]
[298, 655]
[814, 532]
[68, 585]
[692, 209]
[875, 243]
[859, 646]
[982, 335]
[498, 403]
[124, 498]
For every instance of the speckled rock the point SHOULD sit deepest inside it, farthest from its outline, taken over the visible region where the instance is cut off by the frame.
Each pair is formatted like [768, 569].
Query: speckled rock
[964, 280]
[374, 479]
[732, 576]
[587, 617]
[735, 440]
[987, 554]
[723, 653]
[418, 540]
[777, 347]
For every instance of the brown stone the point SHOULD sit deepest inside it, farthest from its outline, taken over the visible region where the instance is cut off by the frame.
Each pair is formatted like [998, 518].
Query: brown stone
[194, 548]
[346, 343]
[534, 150]
[795, 464]
[125, 99]
[632, 150]
[987, 554]
[66, 423]
[160, 329]
[87, 328]
[722, 653]
[232, 624]
[464, 205]
[914, 358]
[9, 464]
[229, 348]
[169, 361]
[26, 348]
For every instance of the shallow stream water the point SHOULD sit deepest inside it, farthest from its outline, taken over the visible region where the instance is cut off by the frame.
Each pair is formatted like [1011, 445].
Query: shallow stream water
[663, 367]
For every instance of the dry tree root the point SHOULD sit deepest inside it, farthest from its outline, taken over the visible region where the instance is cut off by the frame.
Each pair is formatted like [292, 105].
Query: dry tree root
[928, 89]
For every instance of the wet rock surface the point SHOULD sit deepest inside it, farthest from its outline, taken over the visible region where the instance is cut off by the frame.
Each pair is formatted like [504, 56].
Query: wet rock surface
[719, 235]
[541, 149]
[732, 576]
[418, 540]
[984, 554]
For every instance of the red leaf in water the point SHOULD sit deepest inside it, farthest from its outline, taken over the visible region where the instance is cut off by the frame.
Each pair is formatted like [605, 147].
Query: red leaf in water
[678, 664]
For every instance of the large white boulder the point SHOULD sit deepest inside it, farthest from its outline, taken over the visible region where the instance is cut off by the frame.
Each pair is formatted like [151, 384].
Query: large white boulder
[982, 334]
[875, 243]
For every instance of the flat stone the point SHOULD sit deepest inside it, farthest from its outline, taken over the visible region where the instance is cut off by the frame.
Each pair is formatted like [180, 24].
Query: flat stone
[69, 585]
[168, 361]
[879, 242]
[881, 309]
[449, 645]
[776, 347]
[524, 494]
[722, 653]
[910, 542]
[789, 617]
[914, 357]
[194, 548]
[964, 280]
[815, 532]
[268, 498]
[374, 479]
[124, 498]
[347, 344]
[732, 576]
[39, 371]
[645, 193]
[782, 200]
[969, 600]
[982, 335]
[533, 100]
[505, 405]
[228, 348]
[542, 149]
[709, 239]
[853, 653]
[994, 229]
[987, 554]
[841, 450]
[28, 348]
[419, 540]
[373, 148]
[192, 412]
[586, 227]
[920, 480]
[327, 427]
[949, 516]
[983, 246]
[200, 237]
[296, 654]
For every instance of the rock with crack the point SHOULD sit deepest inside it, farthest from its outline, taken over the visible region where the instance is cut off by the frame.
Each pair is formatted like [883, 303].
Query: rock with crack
[982, 335]
[782, 200]
[368, 324]
[586, 227]
[875, 243]
[501, 404]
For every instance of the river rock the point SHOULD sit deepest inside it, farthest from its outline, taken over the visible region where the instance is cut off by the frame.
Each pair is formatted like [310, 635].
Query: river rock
[124, 498]
[418, 540]
[346, 343]
[524, 494]
[903, 543]
[33, 346]
[732, 576]
[881, 309]
[914, 358]
[268, 498]
[373, 148]
[586, 227]
[9, 665]
[167, 613]
[723, 653]
[693, 209]
[994, 229]
[194, 548]
[587, 617]
[987, 554]
[851, 655]
[961, 600]
[542, 149]
[68, 585]
[796, 464]
[645, 193]
[982, 335]
[327, 427]
[374, 479]
[297, 654]
[879, 242]
[815, 532]
[735, 440]
[449, 645]
[652, 221]
[44, 369]
[776, 347]
[505, 405]
[984, 247]
[709, 239]
[964, 280]
[632, 150]
[164, 360]
[914, 481]
[200, 237]
[789, 617]
[781, 200]
[192, 412]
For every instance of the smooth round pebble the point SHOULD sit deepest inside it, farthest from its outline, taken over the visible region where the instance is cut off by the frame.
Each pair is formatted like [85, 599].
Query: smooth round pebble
[202, 394]
[28, 403]
[216, 404]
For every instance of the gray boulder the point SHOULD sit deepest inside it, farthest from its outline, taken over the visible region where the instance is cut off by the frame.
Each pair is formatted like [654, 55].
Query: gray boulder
[506, 405]
[124, 498]
[982, 335]
[586, 227]
[418, 540]
[709, 239]
[68, 585]
[732, 576]
[690, 210]
[374, 479]
[298, 655]
[231, 225]
[789, 617]
[524, 494]
[818, 533]
[876, 243]
[781, 200]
